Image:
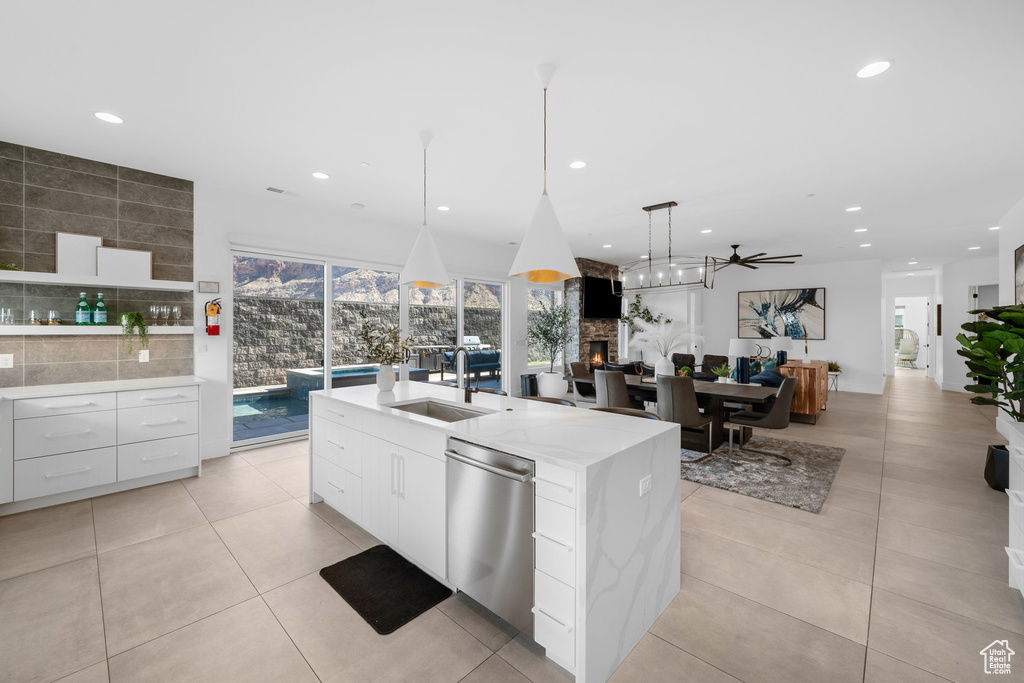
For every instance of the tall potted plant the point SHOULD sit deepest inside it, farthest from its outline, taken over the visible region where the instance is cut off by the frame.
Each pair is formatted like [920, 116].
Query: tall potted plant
[383, 344]
[551, 330]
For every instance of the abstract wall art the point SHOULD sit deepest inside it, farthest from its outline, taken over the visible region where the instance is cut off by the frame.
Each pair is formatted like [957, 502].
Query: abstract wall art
[782, 313]
[1018, 275]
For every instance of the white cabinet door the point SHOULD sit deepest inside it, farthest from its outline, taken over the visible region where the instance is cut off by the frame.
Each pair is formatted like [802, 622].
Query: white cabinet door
[421, 509]
[379, 499]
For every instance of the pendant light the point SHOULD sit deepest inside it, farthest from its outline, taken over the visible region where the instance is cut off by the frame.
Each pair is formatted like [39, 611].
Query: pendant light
[424, 267]
[544, 255]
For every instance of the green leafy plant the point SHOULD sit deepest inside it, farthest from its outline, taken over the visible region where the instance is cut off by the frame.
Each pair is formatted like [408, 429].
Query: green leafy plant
[637, 311]
[722, 370]
[994, 350]
[383, 343]
[8, 266]
[130, 322]
[684, 371]
[833, 366]
[551, 330]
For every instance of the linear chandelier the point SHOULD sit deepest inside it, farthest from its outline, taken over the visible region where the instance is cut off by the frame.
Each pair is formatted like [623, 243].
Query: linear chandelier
[670, 272]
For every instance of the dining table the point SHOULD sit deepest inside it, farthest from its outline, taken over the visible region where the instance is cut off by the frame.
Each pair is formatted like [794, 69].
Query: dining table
[712, 398]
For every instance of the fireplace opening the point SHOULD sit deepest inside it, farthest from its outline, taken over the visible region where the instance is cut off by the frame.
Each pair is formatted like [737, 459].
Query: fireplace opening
[598, 354]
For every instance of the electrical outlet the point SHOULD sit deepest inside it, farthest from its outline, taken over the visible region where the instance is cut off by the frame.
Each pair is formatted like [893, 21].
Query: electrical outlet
[6, 360]
[201, 348]
[645, 486]
[144, 356]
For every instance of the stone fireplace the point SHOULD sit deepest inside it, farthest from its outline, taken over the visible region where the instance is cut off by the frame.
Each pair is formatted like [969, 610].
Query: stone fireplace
[598, 330]
[598, 354]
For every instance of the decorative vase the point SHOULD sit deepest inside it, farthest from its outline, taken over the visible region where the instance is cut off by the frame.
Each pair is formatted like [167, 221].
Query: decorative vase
[386, 377]
[551, 385]
[664, 366]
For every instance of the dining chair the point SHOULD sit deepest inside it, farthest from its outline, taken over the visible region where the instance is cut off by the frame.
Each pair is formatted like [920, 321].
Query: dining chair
[612, 391]
[555, 401]
[776, 418]
[677, 402]
[683, 360]
[625, 368]
[632, 412]
[644, 370]
[584, 391]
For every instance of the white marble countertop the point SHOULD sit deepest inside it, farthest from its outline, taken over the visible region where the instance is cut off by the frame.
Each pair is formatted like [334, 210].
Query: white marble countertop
[569, 437]
[73, 388]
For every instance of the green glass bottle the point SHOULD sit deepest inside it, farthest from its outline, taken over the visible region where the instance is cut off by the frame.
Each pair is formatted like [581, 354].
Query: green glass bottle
[83, 314]
[99, 314]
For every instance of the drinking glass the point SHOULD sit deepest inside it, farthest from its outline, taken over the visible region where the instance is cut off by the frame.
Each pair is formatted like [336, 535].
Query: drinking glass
[154, 315]
[165, 311]
[35, 318]
[176, 313]
[53, 318]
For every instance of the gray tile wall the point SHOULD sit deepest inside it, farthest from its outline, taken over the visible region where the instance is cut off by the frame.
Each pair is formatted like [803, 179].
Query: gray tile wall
[42, 193]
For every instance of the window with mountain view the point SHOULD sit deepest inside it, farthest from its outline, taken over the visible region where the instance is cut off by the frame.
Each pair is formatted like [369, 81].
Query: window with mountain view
[359, 296]
[481, 320]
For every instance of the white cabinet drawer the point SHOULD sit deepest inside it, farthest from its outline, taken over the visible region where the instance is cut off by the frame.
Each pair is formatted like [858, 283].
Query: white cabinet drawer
[66, 472]
[38, 436]
[554, 619]
[337, 444]
[555, 540]
[556, 483]
[1017, 468]
[153, 457]
[63, 405]
[1016, 507]
[1016, 568]
[339, 488]
[157, 422]
[338, 412]
[156, 397]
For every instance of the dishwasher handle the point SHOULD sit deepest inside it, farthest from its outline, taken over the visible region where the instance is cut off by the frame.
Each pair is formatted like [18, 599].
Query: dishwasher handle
[500, 471]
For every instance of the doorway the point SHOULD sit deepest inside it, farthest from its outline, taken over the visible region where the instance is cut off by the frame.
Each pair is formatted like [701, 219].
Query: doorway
[912, 335]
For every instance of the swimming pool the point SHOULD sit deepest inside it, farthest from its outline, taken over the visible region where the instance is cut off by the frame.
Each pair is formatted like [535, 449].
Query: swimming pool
[259, 415]
[301, 381]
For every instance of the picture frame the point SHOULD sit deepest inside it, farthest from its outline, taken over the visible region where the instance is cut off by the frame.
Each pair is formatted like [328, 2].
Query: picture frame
[767, 313]
[1018, 275]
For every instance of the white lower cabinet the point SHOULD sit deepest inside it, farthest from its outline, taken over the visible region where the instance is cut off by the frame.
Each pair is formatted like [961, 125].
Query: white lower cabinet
[155, 457]
[421, 509]
[51, 474]
[1015, 493]
[554, 619]
[341, 489]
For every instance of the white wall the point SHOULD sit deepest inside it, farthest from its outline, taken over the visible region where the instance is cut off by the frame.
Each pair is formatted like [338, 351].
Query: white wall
[853, 314]
[957, 279]
[1011, 236]
[681, 306]
[277, 224]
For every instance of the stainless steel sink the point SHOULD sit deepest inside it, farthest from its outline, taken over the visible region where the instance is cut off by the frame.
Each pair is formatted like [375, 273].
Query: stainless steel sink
[437, 410]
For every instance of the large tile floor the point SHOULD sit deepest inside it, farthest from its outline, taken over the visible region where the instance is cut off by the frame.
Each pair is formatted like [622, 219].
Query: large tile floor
[901, 577]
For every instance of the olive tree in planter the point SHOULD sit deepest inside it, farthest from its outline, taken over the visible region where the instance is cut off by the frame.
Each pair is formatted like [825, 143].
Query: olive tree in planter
[551, 330]
[994, 350]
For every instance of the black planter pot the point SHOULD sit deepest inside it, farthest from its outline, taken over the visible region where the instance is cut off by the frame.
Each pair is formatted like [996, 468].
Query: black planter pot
[997, 467]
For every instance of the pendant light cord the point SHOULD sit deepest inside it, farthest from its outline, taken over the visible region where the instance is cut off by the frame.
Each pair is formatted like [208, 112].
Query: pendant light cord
[545, 140]
[424, 186]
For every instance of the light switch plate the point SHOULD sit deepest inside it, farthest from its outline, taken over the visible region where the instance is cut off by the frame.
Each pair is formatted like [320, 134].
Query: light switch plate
[6, 360]
[144, 356]
[645, 486]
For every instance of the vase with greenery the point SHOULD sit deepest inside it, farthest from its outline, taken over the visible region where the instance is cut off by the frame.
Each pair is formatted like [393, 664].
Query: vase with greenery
[133, 323]
[384, 344]
[551, 330]
[663, 339]
[994, 349]
[723, 371]
[636, 311]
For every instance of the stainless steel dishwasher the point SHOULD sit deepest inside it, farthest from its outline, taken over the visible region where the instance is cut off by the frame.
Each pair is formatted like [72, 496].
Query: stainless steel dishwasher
[490, 530]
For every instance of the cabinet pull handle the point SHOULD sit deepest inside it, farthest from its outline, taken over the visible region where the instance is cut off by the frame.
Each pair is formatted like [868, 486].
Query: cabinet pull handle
[161, 424]
[64, 474]
[336, 412]
[57, 435]
[394, 475]
[1016, 497]
[538, 480]
[537, 534]
[567, 627]
[161, 398]
[1015, 558]
[340, 490]
[72, 405]
[335, 443]
[158, 457]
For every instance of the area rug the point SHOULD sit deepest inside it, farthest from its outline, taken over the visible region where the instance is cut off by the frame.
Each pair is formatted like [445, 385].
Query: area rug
[803, 485]
[387, 590]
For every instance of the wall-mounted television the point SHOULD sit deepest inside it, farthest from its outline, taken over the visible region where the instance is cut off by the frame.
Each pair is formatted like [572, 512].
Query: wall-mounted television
[600, 300]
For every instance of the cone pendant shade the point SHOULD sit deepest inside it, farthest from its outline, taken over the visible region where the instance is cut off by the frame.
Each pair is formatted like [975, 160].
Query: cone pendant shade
[544, 255]
[424, 267]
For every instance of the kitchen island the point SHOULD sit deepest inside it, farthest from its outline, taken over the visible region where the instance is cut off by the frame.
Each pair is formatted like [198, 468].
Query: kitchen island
[606, 491]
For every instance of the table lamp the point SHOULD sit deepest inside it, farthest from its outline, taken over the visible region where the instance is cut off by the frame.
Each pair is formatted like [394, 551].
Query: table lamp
[742, 349]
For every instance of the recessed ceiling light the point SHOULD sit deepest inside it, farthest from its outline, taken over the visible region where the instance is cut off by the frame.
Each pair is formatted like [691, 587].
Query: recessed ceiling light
[109, 118]
[358, 206]
[911, 263]
[607, 246]
[861, 230]
[994, 227]
[320, 175]
[704, 232]
[513, 242]
[851, 209]
[578, 164]
[873, 69]
[643, 255]
[364, 164]
[866, 245]
[444, 208]
[972, 248]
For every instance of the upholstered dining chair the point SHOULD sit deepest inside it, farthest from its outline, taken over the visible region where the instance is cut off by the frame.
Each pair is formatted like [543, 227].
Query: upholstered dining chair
[555, 401]
[584, 391]
[632, 412]
[625, 368]
[612, 391]
[677, 402]
[776, 418]
[684, 360]
[706, 364]
[644, 369]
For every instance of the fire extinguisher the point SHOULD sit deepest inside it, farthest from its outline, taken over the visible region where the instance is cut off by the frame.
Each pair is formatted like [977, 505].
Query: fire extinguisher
[213, 318]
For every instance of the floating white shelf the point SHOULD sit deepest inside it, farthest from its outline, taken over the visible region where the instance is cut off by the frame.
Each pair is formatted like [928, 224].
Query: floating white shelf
[87, 330]
[91, 281]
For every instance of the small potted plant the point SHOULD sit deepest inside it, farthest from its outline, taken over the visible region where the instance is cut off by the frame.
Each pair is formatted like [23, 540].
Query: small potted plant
[133, 323]
[383, 344]
[551, 330]
[724, 373]
[833, 367]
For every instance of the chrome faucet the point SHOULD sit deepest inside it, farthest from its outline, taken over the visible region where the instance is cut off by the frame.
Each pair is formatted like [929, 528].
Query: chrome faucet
[468, 397]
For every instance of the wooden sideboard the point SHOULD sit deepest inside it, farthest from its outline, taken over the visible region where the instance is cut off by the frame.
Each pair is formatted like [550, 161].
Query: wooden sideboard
[811, 391]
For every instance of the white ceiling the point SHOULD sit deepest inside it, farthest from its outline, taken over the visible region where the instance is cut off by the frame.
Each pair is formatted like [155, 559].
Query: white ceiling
[737, 110]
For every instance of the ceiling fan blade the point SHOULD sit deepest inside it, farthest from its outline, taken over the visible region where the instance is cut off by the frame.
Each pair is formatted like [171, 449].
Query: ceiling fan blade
[787, 256]
[753, 256]
[747, 265]
[770, 262]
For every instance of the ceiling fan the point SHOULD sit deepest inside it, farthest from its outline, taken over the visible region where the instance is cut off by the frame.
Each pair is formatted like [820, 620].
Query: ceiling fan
[748, 261]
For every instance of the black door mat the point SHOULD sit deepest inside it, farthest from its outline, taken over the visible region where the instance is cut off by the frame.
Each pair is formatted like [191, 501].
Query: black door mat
[384, 588]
